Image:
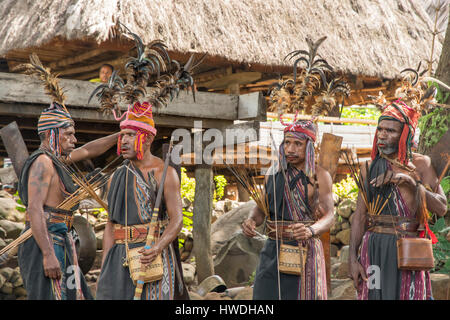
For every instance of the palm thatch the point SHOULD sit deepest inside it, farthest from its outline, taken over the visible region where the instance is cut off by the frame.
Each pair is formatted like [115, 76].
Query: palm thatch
[374, 38]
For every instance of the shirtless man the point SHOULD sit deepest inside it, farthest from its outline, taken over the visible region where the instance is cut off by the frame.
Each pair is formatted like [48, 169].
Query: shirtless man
[306, 218]
[44, 183]
[407, 174]
[131, 197]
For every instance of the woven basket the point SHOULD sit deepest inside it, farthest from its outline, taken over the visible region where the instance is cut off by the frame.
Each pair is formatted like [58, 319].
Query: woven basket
[153, 271]
[292, 260]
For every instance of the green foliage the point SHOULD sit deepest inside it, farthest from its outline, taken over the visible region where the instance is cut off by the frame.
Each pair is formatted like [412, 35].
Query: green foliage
[187, 186]
[441, 97]
[188, 192]
[251, 278]
[187, 225]
[346, 188]
[433, 126]
[370, 113]
[220, 183]
[441, 250]
[445, 183]
[20, 206]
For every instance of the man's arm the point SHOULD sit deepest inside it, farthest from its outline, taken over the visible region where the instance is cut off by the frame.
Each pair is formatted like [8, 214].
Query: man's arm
[436, 201]
[108, 233]
[326, 203]
[174, 207]
[108, 239]
[40, 176]
[356, 234]
[255, 219]
[93, 149]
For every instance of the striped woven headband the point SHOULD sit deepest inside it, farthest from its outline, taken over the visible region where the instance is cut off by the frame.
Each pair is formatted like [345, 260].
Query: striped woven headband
[53, 118]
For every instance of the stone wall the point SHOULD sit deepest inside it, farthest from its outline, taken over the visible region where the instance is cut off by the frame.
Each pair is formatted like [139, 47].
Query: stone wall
[12, 223]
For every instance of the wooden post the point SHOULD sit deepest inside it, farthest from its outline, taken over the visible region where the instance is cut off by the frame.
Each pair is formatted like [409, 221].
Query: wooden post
[202, 221]
[330, 152]
[243, 195]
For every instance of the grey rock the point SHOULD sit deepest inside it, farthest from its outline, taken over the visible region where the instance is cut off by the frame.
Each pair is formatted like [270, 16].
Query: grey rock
[345, 225]
[99, 237]
[230, 247]
[18, 282]
[186, 203]
[188, 273]
[334, 239]
[20, 292]
[344, 236]
[343, 254]
[345, 291]
[195, 296]
[7, 273]
[342, 271]
[333, 250]
[335, 198]
[2, 280]
[245, 294]
[351, 218]
[346, 207]
[2, 233]
[7, 288]
[13, 229]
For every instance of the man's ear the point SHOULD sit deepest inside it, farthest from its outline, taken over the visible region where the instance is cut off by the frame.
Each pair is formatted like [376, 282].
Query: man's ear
[149, 139]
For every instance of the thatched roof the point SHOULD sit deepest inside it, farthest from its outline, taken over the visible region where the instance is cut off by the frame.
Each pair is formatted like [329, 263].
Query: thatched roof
[376, 38]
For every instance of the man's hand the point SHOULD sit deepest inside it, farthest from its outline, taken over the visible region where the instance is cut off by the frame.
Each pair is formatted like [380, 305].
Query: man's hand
[357, 273]
[391, 177]
[301, 232]
[51, 265]
[248, 227]
[148, 255]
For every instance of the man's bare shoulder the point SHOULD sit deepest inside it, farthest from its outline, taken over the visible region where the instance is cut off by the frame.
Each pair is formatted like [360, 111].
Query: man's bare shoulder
[42, 161]
[323, 174]
[421, 160]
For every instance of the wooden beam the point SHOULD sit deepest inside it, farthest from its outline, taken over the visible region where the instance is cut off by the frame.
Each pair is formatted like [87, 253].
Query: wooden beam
[200, 78]
[272, 115]
[240, 78]
[27, 89]
[76, 59]
[252, 106]
[330, 152]
[203, 202]
[115, 63]
[92, 115]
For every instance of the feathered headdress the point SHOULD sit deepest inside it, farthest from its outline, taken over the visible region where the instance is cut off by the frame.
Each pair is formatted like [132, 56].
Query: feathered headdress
[311, 88]
[412, 98]
[50, 80]
[56, 116]
[152, 79]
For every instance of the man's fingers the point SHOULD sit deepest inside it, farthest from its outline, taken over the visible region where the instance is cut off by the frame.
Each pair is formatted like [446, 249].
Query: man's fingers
[362, 273]
[355, 282]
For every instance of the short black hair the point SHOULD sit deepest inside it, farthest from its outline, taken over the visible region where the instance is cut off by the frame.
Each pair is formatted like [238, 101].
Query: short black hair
[107, 65]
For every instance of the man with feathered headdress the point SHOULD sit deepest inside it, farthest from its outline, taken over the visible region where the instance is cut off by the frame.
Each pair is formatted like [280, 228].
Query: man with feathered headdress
[131, 198]
[301, 209]
[48, 260]
[132, 195]
[299, 192]
[408, 183]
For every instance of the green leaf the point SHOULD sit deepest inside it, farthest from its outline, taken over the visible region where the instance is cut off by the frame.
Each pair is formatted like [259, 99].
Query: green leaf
[439, 225]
